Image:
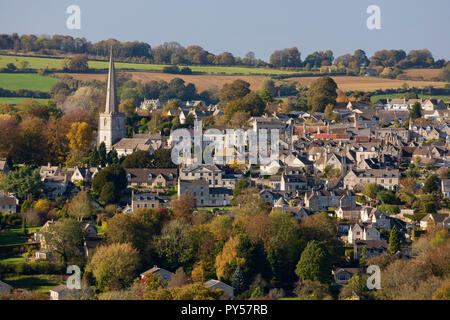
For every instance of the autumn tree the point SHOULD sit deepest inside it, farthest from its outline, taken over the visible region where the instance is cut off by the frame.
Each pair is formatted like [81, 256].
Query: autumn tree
[80, 137]
[30, 144]
[174, 246]
[183, 207]
[80, 141]
[198, 274]
[128, 107]
[235, 90]
[81, 206]
[251, 103]
[312, 290]
[137, 228]
[371, 190]
[66, 237]
[228, 260]
[114, 266]
[79, 63]
[179, 279]
[321, 93]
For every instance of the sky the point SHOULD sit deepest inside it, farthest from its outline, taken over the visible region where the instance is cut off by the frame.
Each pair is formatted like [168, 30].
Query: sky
[240, 26]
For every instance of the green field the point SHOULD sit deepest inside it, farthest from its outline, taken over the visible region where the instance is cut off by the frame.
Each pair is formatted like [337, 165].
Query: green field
[15, 101]
[30, 81]
[446, 98]
[14, 260]
[55, 63]
[42, 282]
[13, 236]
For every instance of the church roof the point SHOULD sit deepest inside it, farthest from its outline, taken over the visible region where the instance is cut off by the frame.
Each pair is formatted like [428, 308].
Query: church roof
[111, 93]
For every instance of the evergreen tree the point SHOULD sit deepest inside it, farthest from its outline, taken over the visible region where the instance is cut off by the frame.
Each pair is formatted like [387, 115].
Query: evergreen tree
[102, 154]
[431, 184]
[394, 241]
[416, 111]
[257, 293]
[363, 259]
[24, 226]
[113, 158]
[108, 193]
[314, 263]
[238, 280]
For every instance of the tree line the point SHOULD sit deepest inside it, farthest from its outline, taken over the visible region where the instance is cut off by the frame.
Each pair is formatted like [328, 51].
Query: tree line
[175, 54]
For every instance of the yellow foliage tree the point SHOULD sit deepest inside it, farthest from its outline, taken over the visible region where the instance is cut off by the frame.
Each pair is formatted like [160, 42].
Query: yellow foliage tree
[198, 274]
[42, 205]
[80, 137]
[228, 260]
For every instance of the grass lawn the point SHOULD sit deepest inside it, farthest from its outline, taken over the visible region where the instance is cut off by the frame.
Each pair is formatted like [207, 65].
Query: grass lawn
[42, 282]
[13, 236]
[14, 260]
[15, 101]
[30, 81]
[211, 208]
[55, 63]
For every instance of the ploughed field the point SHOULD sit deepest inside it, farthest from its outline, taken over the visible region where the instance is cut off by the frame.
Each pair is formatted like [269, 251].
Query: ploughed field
[203, 82]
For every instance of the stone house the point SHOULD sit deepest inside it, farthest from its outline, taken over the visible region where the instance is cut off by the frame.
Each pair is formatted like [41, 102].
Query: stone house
[343, 275]
[324, 199]
[8, 203]
[144, 200]
[205, 195]
[389, 179]
[349, 213]
[211, 173]
[374, 248]
[152, 177]
[435, 219]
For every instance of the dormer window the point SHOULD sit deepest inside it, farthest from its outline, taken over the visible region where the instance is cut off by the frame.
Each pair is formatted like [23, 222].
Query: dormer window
[171, 176]
[129, 175]
[150, 176]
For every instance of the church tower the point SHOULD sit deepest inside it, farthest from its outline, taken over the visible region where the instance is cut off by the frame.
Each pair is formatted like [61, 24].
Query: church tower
[111, 126]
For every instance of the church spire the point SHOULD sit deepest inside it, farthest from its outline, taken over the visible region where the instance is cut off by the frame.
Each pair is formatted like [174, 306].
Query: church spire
[111, 95]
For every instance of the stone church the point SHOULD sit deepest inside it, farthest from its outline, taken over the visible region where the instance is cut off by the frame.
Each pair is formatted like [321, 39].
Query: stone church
[112, 130]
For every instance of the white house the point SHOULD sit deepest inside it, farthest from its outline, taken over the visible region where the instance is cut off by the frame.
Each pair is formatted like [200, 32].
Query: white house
[362, 232]
[58, 293]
